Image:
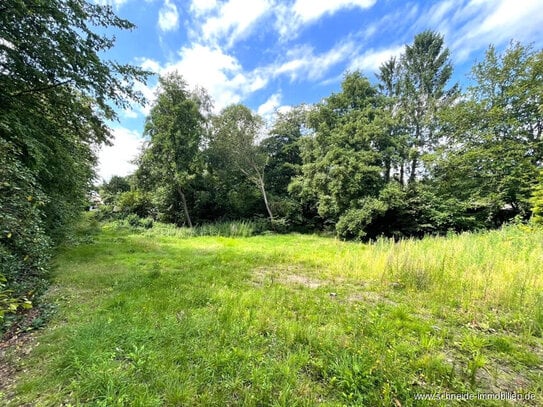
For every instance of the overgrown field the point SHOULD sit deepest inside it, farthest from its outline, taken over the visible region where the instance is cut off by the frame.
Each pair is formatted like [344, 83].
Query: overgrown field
[146, 319]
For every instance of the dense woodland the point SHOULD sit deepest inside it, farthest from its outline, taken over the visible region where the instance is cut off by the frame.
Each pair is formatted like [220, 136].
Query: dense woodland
[407, 154]
[404, 153]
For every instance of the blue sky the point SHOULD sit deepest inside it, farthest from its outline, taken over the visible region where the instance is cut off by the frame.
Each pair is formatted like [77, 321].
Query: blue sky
[272, 54]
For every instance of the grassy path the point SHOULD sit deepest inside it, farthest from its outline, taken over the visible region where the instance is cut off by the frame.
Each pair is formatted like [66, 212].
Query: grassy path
[149, 320]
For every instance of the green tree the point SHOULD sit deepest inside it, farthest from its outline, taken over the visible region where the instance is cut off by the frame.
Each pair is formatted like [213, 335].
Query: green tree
[234, 146]
[537, 200]
[419, 83]
[342, 163]
[110, 190]
[495, 148]
[283, 150]
[176, 129]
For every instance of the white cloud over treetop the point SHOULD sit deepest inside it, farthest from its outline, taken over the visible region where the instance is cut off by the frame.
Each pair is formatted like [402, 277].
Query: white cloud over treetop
[168, 16]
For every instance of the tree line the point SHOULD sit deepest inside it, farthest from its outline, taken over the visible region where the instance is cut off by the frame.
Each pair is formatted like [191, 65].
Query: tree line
[408, 154]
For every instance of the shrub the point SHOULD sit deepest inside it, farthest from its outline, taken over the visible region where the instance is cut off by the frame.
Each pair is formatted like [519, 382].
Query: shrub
[353, 224]
[135, 202]
[25, 249]
[133, 220]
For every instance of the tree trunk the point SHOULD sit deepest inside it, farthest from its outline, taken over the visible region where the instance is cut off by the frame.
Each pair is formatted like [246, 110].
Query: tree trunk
[263, 189]
[388, 166]
[185, 208]
[412, 175]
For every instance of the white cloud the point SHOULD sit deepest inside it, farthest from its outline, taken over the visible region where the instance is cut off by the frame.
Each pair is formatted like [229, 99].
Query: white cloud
[115, 159]
[148, 64]
[303, 63]
[115, 3]
[168, 16]
[371, 60]
[129, 114]
[268, 108]
[472, 25]
[200, 7]
[291, 17]
[221, 74]
[310, 10]
[234, 19]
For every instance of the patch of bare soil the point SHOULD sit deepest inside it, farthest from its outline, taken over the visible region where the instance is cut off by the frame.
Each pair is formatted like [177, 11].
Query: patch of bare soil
[289, 275]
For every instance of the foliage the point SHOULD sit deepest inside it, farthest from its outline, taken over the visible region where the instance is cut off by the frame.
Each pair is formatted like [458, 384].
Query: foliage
[135, 202]
[175, 128]
[110, 191]
[495, 149]
[24, 244]
[233, 146]
[417, 88]
[341, 163]
[56, 93]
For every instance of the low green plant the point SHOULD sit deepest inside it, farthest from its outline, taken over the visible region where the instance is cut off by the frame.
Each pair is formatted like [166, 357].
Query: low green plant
[10, 304]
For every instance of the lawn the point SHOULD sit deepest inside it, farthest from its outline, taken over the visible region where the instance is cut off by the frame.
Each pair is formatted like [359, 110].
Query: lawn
[155, 318]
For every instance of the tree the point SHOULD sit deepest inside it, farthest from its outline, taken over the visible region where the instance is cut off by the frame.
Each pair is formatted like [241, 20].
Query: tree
[418, 83]
[56, 93]
[233, 144]
[175, 127]
[342, 164]
[496, 135]
[537, 200]
[282, 148]
[110, 191]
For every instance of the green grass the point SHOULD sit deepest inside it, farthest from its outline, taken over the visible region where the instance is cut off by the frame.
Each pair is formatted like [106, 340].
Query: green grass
[152, 319]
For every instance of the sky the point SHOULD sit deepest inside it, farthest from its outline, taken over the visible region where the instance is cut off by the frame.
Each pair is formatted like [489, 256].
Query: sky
[272, 54]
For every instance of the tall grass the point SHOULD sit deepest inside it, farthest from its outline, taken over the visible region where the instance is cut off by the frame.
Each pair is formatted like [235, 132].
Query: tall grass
[165, 317]
[242, 228]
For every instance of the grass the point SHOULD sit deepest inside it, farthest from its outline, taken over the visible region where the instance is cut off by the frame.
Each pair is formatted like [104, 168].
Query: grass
[152, 319]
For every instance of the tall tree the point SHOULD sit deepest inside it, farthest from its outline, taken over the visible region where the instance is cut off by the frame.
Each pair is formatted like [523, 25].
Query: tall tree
[175, 127]
[395, 142]
[234, 143]
[341, 159]
[283, 150]
[496, 146]
[424, 71]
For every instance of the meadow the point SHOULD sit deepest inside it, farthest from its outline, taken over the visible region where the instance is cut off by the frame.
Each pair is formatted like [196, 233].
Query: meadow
[165, 317]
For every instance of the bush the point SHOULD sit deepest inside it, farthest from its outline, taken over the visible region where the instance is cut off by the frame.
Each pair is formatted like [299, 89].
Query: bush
[353, 223]
[135, 202]
[25, 249]
[135, 221]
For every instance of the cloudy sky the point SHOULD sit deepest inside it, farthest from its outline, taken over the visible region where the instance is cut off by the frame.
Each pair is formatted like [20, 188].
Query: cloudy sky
[271, 54]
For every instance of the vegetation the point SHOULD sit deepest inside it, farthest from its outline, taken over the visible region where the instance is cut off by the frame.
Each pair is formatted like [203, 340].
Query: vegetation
[410, 155]
[56, 94]
[149, 318]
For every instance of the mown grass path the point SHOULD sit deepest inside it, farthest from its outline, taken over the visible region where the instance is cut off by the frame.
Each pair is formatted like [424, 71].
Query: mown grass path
[290, 320]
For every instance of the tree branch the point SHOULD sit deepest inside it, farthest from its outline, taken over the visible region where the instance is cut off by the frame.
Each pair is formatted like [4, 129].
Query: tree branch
[41, 89]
